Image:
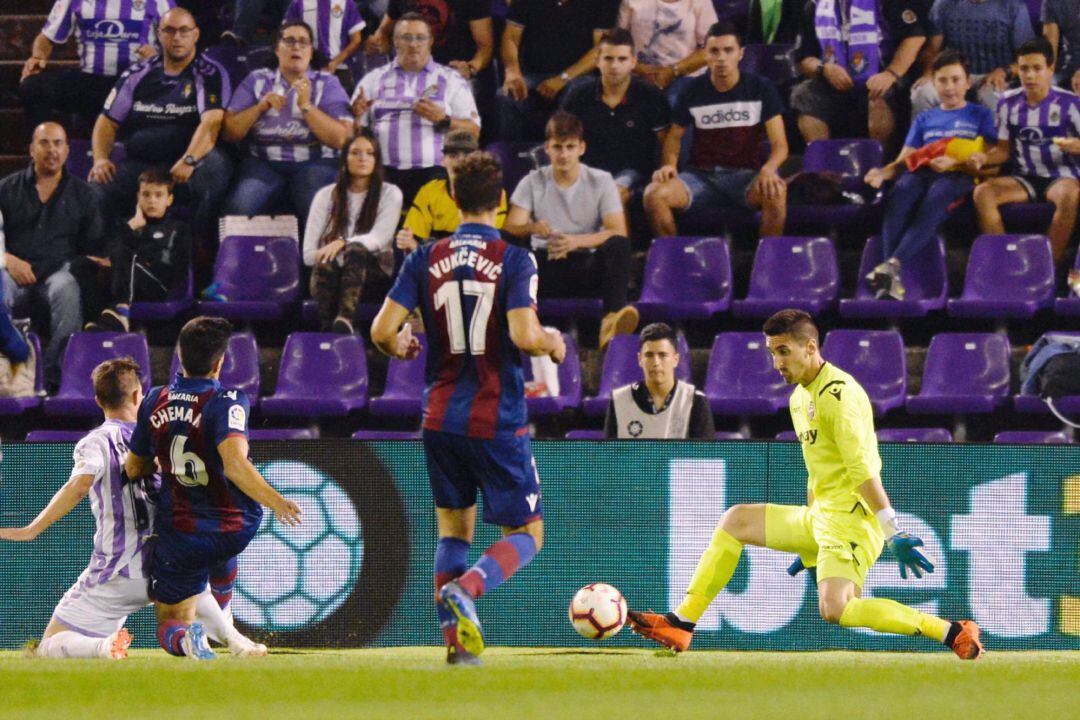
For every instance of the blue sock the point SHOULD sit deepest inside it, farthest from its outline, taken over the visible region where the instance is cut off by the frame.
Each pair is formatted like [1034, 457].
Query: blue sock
[498, 563]
[451, 560]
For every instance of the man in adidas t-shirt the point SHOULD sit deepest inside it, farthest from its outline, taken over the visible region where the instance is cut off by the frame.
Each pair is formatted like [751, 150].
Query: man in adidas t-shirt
[733, 114]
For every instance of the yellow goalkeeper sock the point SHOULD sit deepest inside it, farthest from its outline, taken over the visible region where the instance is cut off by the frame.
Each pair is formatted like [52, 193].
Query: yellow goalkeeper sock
[890, 616]
[714, 570]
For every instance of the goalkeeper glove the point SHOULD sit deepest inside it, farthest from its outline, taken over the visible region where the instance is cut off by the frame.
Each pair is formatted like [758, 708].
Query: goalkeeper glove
[903, 549]
[797, 567]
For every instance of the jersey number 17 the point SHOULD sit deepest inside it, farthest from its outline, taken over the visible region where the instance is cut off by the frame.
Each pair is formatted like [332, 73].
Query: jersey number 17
[450, 299]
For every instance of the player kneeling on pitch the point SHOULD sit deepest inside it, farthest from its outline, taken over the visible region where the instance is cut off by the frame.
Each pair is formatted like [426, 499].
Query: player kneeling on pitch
[847, 518]
[212, 496]
[89, 621]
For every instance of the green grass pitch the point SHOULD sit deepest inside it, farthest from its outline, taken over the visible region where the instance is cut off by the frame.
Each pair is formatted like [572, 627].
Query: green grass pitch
[622, 684]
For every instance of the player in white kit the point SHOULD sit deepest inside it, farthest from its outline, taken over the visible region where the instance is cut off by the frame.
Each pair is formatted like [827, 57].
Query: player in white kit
[89, 620]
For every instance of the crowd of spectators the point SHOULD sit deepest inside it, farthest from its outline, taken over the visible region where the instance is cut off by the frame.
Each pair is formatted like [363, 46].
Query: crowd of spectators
[645, 108]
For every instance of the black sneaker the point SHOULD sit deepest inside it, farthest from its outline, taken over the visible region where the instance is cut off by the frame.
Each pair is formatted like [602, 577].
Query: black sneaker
[342, 326]
[885, 279]
[109, 321]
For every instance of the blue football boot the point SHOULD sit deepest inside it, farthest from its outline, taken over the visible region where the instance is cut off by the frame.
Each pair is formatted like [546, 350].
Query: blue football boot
[470, 636]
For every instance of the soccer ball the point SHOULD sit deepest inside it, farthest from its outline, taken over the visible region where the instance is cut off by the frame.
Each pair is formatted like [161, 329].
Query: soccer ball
[597, 611]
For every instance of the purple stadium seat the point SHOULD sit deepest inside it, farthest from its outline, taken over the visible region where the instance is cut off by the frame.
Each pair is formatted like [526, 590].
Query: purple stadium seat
[283, 434]
[1069, 305]
[686, 278]
[916, 435]
[1027, 217]
[321, 375]
[800, 272]
[741, 379]
[925, 281]
[365, 313]
[1032, 437]
[85, 350]
[729, 436]
[232, 59]
[42, 436]
[386, 435]
[176, 303]
[876, 359]
[771, 61]
[258, 276]
[787, 436]
[621, 368]
[1007, 276]
[585, 435]
[518, 159]
[81, 157]
[240, 369]
[964, 373]
[19, 405]
[1034, 405]
[569, 396]
[850, 159]
[404, 391]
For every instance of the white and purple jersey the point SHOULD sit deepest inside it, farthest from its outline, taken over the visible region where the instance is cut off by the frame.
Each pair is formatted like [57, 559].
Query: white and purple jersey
[123, 513]
[1031, 130]
[109, 32]
[333, 21]
[407, 140]
[283, 135]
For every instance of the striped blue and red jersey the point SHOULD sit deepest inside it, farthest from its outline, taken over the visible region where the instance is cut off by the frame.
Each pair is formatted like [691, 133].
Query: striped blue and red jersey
[181, 425]
[464, 286]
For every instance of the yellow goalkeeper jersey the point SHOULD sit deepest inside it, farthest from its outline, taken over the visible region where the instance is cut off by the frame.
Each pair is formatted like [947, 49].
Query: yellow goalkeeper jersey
[434, 214]
[835, 424]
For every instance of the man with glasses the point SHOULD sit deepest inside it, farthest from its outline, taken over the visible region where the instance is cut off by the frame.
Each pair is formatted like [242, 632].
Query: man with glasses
[411, 104]
[111, 36]
[167, 111]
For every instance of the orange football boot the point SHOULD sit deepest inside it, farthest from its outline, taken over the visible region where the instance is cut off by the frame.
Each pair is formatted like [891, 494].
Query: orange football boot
[657, 627]
[966, 644]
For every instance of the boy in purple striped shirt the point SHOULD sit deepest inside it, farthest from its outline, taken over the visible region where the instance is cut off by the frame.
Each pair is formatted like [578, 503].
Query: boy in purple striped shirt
[1039, 131]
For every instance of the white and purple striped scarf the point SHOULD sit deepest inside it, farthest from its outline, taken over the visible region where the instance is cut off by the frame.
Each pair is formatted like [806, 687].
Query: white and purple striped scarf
[854, 44]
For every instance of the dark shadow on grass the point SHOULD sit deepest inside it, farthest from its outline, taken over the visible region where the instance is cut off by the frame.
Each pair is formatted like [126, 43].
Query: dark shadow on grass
[574, 652]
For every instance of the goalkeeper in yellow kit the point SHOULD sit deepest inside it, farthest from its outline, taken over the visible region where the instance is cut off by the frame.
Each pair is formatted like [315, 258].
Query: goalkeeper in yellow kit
[846, 521]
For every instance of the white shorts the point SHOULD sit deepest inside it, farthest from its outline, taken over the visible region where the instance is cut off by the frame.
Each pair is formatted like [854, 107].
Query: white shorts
[99, 610]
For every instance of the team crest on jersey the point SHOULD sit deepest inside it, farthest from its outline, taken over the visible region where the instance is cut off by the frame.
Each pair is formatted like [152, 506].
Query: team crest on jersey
[138, 5]
[810, 410]
[187, 91]
[337, 11]
[634, 428]
[908, 16]
[1054, 118]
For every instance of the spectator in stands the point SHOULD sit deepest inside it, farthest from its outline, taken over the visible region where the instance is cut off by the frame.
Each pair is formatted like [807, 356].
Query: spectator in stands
[940, 172]
[167, 111]
[463, 37]
[987, 32]
[338, 32]
[625, 117]
[295, 121]
[411, 104]
[669, 36]
[1061, 26]
[850, 83]
[50, 218]
[577, 226]
[434, 213]
[148, 256]
[774, 21]
[661, 407]
[110, 36]
[1038, 131]
[13, 345]
[347, 240]
[733, 113]
[546, 45]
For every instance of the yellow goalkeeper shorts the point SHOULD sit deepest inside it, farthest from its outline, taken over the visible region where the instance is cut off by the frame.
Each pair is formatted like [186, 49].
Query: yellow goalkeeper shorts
[839, 544]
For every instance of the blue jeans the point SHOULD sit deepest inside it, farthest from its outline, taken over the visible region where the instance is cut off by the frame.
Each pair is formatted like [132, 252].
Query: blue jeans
[914, 208]
[262, 185]
[12, 344]
[60, 292]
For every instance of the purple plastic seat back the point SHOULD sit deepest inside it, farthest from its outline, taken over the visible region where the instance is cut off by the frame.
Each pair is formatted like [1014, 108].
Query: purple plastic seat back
[404, 389]
[1010, 268]
[621, 368]
[177, 301]
[686, 277]
[741, 379]
[41, 436]
[241, 367]
[232, 59]
[729, 436]
[914, 435]
[585, 435]
[569, 382]
[787, 436]
[964, 372]
[261, 269]
[924, 279]
[1032, 437]
[85, 350]
[792, 271]
[282, 434]
[850, 159]
[876, 359]
[518, 159]
[321, 374]
[386, 435]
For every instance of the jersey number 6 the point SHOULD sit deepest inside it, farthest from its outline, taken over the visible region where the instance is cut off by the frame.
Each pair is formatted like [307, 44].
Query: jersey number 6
[188, 467]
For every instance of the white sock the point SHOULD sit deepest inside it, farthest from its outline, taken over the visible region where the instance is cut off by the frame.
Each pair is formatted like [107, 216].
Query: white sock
[70, 644]
[218, 627]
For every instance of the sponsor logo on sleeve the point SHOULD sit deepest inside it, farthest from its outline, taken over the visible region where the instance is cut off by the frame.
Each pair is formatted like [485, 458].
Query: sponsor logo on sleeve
[237, 418]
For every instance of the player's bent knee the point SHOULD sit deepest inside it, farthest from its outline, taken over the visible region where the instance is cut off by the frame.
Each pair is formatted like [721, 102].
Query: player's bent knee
[832, 608]
[737, 521]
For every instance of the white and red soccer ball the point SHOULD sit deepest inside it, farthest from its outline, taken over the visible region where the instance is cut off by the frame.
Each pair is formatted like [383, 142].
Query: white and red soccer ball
[597, 611]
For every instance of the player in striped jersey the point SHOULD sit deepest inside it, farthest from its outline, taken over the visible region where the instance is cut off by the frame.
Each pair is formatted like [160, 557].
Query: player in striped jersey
[89, 620]
[1039, 131]
[477, 295]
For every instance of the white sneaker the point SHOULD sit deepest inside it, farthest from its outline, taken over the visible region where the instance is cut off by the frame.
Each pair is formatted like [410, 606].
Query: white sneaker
[240, 646]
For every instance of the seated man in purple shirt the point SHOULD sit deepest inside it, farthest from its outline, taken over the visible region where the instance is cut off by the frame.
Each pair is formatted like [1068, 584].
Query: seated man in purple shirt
[294, 120]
